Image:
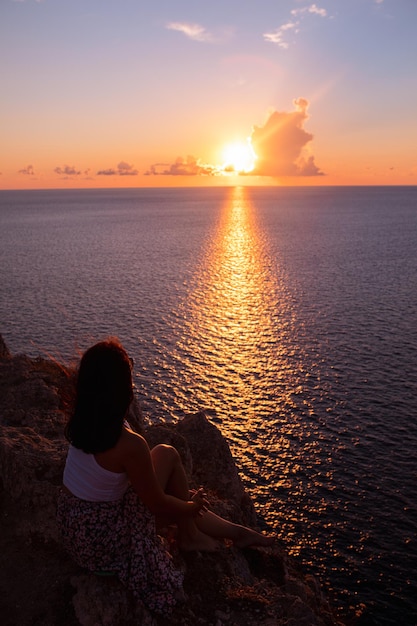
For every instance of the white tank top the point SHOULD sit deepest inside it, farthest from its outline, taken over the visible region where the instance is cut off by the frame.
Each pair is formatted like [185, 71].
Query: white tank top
[87, 480]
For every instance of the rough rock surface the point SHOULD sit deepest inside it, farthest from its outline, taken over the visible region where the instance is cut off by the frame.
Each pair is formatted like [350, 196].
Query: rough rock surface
[39, 584]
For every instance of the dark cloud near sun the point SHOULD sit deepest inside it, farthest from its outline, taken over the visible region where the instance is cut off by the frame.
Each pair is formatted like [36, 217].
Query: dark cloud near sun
[183, 167]
[123, 169]
[109, 172]
[280, 144]
[67, 170]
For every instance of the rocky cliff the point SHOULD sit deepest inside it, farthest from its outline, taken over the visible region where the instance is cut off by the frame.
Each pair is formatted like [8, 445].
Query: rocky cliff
[39, 584]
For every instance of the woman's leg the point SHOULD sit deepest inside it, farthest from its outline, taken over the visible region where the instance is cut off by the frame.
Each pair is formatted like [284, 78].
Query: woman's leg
[242, 537]
[172, 478]
[170, 471]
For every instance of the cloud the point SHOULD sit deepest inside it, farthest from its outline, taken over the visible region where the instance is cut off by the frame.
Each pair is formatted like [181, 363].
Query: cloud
[28, 171]
[193, 31]
[123, 169]
[183, 167]
[278, 36]
[67, 170]
[280, 144]
[108, 172]
[313, 8]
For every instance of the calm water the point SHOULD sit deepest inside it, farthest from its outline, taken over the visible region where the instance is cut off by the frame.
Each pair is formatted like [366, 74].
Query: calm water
[290, 314]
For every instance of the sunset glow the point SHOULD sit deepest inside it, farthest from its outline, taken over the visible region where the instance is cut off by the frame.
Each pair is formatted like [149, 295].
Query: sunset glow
[151, 97]
[239, 157]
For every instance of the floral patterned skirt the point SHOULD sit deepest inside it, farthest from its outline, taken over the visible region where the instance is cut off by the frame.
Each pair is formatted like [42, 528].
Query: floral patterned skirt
[120, 537]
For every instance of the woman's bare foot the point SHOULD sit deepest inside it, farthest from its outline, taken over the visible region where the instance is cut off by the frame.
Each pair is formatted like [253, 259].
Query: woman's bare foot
[198, 542]
[247, 537]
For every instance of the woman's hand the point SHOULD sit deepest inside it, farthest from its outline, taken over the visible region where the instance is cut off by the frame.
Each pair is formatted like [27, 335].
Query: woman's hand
[199, 499]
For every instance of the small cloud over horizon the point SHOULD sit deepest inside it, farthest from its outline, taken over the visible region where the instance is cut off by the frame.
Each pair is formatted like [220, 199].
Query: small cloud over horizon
[123, 169]
[27, 171]
[189, 166]
[67, 170]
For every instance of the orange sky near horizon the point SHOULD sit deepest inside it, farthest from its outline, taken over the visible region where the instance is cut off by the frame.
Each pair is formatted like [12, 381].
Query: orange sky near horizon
[153, 96]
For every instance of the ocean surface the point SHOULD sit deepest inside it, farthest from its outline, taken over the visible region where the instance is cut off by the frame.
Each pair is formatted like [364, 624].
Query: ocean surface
[289, 314]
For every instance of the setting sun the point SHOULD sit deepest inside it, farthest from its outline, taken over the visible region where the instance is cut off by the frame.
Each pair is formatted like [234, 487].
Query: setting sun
[239, 157]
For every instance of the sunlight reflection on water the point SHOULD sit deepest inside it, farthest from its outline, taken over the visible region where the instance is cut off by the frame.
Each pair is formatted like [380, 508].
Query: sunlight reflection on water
[229, 317]
[234, 346]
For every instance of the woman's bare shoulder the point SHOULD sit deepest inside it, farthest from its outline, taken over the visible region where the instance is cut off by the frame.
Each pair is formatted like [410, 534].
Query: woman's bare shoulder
[133, 451]
[131, 442]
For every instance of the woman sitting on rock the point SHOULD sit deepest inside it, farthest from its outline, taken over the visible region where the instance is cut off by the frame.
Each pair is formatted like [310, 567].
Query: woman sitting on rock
[116, 489]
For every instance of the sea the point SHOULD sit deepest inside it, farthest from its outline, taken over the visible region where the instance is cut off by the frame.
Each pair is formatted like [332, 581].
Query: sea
[288, 314]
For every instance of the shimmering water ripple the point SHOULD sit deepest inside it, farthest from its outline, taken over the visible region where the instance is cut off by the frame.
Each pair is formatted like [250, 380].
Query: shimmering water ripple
[290, 314]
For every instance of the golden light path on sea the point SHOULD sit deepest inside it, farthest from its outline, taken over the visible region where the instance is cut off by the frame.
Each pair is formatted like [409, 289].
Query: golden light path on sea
[235, 354]
[230, 326]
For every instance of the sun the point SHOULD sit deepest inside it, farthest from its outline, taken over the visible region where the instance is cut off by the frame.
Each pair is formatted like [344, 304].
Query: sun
[239, 157]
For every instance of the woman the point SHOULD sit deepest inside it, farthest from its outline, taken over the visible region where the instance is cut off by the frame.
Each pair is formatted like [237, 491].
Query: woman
[115, 487]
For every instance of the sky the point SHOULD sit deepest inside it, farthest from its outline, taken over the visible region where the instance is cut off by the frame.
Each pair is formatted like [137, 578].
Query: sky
[127, 93]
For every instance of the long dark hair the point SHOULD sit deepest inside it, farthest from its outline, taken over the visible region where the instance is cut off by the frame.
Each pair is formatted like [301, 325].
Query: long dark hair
[104, 393]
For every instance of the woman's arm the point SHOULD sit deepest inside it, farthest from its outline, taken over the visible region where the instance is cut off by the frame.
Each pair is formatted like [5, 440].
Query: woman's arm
[137, 461]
